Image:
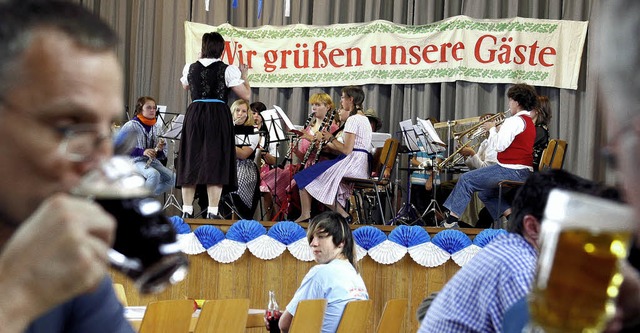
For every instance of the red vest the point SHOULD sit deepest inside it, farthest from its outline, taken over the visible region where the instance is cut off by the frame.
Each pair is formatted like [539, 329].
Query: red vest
[521, 149]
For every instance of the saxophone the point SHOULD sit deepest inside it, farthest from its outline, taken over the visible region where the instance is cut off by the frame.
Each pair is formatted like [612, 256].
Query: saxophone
[293, 142]
[326, 123]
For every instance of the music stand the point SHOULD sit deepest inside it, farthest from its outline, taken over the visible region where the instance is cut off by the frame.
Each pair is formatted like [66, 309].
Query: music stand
[429, 138]
[274, 119]
[173, 132]
[407, 213]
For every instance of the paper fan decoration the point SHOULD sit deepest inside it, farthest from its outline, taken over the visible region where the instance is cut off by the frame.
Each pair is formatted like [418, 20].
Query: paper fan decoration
[409, 236]
[451, 240]
[301, 250]
[463, 256]
[368, 236]
[245, 231]
[360, 252]
[287, 232]
[387, 252]
[428, 254]
[265, 247]
[487, 235]
[227, 251]
[179, 225]
[208, 235]
[190, 244]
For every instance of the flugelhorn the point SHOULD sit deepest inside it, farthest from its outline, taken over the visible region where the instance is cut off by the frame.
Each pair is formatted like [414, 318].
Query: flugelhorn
[476, 130]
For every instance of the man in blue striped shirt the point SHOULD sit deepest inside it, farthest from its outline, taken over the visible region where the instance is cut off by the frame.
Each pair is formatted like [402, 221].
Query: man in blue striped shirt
[475, 299]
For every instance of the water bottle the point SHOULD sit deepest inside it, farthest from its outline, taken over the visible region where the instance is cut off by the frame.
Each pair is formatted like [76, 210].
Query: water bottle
[273, 313]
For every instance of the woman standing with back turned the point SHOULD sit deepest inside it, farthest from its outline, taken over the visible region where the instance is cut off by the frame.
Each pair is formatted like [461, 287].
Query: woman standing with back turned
[207, 147]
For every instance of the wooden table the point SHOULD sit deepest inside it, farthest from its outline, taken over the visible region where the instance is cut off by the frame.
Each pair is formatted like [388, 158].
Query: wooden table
[134, 315]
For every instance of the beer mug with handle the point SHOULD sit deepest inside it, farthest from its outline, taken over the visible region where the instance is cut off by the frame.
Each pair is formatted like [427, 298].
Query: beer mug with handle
[582, 242]
[145, 246]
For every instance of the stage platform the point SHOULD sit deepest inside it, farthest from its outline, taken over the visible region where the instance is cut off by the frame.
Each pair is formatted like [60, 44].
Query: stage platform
[251, 277]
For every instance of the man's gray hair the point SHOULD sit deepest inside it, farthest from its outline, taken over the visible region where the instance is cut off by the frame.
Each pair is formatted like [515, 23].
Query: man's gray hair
[20, 19]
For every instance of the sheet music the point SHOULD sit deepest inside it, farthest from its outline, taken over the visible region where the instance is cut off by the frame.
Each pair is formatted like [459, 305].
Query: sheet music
[175, 128]
[162, 110]
[284, 117]
[409, 135]
[378, 139]
[274, 126]
[427, 128]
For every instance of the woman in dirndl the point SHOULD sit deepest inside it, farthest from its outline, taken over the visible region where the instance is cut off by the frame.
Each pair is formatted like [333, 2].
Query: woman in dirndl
[323, 181]
[207, 146]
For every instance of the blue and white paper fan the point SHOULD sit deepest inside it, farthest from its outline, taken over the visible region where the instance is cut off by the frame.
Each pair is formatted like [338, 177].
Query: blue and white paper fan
[360, 252]
[287, 232]
[451, 240]
[227, 251]
[463, 256]
[190, 244]
[179, 225]
[487, 235]
[265, 247]
[368, 236]
[387, 252]
[409, 236]
[208, 235]
[428, 254]
[245, 231]
[301, 250]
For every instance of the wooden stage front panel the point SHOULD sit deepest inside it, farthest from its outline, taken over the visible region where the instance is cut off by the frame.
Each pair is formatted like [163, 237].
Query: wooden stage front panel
[252, 278]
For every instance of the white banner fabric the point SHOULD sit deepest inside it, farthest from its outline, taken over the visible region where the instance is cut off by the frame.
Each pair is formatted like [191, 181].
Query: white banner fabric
[517, 50]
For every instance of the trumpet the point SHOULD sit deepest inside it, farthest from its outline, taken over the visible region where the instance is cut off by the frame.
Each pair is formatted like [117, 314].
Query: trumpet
[477, 130]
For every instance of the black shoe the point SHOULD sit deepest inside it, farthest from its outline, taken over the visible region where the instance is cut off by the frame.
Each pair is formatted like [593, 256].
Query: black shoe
[186, 215]
[212, 216]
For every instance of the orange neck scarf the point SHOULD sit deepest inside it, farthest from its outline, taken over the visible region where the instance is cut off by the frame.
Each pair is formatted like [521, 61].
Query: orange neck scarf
[146, 121]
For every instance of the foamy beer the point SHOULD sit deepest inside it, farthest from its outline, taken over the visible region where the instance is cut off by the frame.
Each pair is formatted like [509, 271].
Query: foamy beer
[582, 241]
[145, 246]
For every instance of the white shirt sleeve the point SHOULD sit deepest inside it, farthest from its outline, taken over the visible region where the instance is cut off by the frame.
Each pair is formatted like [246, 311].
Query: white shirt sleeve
[232, 76]
[185, 72]
[510, 128]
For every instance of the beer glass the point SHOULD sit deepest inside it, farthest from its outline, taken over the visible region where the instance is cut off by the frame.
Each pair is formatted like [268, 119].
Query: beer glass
[582, 241]
[145, 247]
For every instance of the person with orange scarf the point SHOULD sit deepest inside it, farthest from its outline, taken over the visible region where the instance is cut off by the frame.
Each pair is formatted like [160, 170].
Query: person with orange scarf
[149, 147]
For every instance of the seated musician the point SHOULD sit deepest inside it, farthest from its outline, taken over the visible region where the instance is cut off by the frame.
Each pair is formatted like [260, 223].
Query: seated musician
[245, 199]
[278, 181]
[514, 144]
[149, 147]
[541, 117]
[268, 156]
[334, 278]
[323, 180]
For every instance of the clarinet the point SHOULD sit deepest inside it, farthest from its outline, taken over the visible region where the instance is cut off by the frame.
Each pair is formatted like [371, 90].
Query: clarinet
[157, 149]
[293, 143]
[326, 122]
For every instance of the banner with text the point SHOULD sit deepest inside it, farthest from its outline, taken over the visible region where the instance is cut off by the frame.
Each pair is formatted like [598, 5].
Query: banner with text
[533, 51]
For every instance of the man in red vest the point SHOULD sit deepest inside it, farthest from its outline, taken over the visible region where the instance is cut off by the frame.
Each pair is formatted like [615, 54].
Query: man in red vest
[513, 141]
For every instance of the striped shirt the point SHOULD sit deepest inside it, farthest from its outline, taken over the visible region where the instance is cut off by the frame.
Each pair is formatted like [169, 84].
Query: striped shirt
[476, 298]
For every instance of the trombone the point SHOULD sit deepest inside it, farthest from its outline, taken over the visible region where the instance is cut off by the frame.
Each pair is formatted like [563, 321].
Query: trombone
[477, 130]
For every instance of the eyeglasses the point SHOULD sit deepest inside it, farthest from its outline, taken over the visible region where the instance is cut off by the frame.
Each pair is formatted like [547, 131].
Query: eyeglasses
[80, 141]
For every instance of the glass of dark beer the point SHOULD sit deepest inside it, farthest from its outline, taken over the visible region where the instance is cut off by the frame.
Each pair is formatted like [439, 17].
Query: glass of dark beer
[145, 247]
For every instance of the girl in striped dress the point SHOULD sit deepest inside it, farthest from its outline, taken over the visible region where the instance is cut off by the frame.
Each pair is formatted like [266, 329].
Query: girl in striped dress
[323, 181]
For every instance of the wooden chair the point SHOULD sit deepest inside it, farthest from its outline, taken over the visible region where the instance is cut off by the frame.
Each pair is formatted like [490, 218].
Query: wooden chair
[552, 158]
[382, 167]
[393, 316]
[171, 316]
[355, 317]
[223, 315]
[309, 316]
[118, 288]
